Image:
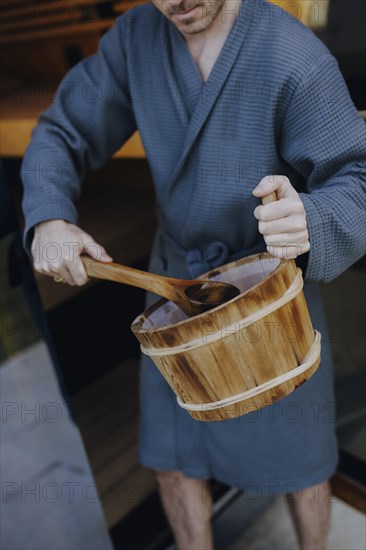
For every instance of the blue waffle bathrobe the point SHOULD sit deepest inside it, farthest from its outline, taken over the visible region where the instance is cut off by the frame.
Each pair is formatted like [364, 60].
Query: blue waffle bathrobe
[274, 103]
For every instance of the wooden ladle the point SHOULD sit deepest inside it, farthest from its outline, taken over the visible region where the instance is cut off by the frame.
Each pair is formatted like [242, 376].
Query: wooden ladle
[193, 297]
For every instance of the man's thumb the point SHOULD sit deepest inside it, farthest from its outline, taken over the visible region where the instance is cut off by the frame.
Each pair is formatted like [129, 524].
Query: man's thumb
[97, 252]
[279, 184]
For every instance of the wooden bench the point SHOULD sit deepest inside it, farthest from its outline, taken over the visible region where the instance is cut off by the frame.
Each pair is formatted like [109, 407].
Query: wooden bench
[19, 115]
[107, 416]
[22, 21]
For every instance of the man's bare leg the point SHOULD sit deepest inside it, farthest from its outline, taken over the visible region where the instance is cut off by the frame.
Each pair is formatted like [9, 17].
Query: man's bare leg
[188, 507]
[310, 512]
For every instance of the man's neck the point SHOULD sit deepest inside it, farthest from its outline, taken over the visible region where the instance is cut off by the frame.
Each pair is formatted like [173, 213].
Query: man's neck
[219, 28]
[206, 46]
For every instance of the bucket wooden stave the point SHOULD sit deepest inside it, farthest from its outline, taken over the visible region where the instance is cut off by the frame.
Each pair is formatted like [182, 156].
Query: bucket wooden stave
[222, 363]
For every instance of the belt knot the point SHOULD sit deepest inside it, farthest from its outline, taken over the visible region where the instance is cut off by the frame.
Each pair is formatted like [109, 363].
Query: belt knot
[206, 258]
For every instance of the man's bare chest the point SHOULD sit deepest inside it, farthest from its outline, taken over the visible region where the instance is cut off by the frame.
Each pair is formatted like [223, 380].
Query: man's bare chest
[206, 57]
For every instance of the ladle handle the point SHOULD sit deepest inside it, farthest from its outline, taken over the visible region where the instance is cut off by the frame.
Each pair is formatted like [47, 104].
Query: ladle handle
[130, 276]
[272, 197]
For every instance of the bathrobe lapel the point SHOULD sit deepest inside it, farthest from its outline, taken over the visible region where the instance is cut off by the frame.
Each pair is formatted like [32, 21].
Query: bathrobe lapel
[198, 97]
[186, 71]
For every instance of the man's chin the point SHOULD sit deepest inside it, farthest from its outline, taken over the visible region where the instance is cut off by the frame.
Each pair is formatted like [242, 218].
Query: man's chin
[190, 27]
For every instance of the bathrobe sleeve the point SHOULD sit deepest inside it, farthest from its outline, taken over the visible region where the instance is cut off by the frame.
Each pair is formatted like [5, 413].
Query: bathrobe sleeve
[324, 139]
[89, 120]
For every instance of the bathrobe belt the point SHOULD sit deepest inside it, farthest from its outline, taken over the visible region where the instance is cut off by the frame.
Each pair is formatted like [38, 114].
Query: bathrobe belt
[209, 256]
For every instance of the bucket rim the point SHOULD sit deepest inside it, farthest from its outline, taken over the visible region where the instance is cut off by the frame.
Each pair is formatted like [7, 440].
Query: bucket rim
[136, 325]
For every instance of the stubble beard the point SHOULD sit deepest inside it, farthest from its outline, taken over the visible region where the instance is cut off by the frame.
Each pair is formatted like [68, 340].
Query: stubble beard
[201, 21]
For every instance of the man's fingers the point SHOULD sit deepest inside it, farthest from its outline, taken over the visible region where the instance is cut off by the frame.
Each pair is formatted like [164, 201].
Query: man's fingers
[72, 273]
[78, 272]
[289, 251]
[291, 224]
[283, 239]
[282, 222]
[72, 270]
[279, 209]
[62, 272]
[279, 184]
[67, 276]
[95, 250]
[68, 243]
[287, 245]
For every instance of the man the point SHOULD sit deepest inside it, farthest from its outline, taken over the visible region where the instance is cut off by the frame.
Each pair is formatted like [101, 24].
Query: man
[226, 95]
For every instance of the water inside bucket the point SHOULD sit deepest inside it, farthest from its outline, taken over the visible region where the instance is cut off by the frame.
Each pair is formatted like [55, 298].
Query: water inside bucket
[243, 276]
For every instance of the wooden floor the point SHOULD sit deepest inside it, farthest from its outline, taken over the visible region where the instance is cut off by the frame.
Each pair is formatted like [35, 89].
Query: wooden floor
[107, 415]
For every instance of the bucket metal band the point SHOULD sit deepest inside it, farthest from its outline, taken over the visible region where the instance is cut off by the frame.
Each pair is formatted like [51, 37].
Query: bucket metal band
[310, 359]
[294, 289]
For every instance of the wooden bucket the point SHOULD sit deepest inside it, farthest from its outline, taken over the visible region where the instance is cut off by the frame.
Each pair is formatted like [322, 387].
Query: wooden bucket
[242, 355]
